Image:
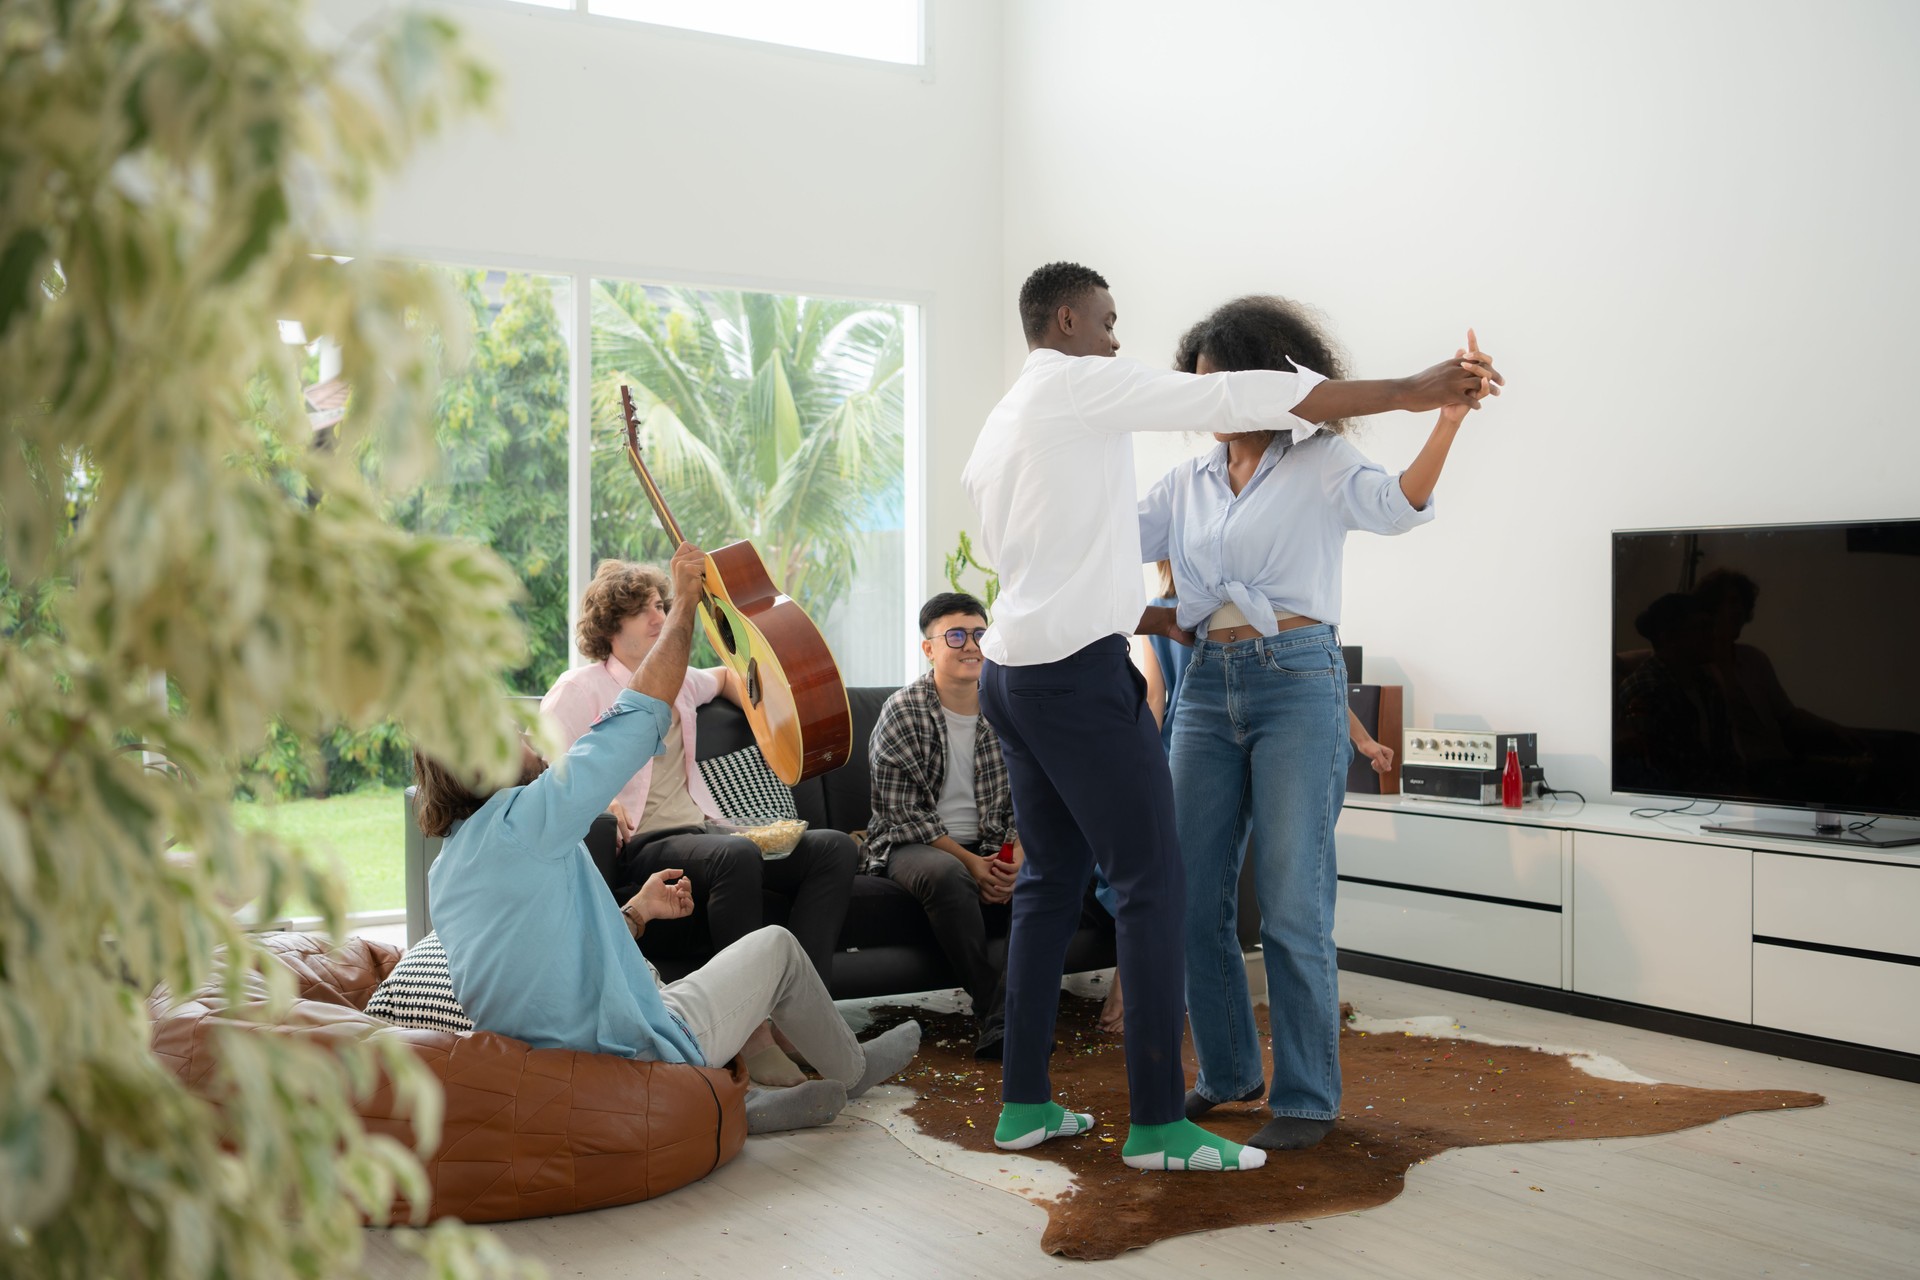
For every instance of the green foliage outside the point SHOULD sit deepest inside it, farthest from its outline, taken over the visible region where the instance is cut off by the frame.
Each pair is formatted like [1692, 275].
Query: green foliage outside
[768, 417]
[163, 175]
[362, 830]
[961, 559]
[501, 428]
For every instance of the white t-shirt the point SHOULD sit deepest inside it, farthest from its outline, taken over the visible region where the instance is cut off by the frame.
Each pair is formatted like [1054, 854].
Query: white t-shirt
[670, 805]
[958, 812]
[1052, 479]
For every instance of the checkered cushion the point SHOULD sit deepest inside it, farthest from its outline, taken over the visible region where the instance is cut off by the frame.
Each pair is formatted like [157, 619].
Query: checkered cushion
[746, 790]
[419, 991]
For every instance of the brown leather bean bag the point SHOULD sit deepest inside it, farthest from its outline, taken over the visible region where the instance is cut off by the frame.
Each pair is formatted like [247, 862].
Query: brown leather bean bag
[528, 1132]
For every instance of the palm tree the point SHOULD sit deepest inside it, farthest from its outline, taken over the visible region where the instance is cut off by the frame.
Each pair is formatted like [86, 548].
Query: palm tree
[768, 417]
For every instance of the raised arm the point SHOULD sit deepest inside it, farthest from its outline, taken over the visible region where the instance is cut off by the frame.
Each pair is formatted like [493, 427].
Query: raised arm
[552, 813]
[1457, 383]
[664, 669]
[1418, 480]
[1118, 395]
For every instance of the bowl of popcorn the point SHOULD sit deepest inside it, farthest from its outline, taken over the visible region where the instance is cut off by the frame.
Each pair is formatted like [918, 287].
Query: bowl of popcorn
[775, 837]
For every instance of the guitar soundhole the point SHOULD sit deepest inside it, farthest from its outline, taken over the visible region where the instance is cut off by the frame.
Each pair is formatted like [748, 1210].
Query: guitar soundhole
[725, 628]
[753, 681]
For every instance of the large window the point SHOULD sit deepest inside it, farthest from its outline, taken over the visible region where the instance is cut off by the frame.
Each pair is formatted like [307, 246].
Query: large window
[503, 424]
[769, 417]
[774, 418]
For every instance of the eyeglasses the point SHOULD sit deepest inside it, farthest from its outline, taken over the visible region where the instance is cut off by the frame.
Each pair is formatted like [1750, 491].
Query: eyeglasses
[956, 637]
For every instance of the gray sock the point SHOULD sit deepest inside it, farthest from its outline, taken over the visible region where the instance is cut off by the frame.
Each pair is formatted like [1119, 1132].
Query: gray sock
[801, 1106]
[887, 1056]
[1290, 1133]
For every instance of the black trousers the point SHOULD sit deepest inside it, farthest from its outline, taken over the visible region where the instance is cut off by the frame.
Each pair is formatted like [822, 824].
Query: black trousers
[729, 876]
[1091, 788]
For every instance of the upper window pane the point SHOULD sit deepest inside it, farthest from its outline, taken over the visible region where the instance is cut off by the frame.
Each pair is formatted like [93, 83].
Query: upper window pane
[885, 30]
[768, 417]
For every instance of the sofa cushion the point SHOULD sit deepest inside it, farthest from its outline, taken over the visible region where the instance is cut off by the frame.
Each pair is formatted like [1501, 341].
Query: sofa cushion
[838, 801]
[419, 991]
[747, 791]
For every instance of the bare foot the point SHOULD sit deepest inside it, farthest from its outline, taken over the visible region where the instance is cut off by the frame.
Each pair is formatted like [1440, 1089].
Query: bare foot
[1113, 1016]
[762, 1038]
[766, 1064]
[787, 1046]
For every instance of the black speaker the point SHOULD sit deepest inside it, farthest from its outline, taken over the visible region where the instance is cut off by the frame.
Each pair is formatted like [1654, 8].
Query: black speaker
[1378, 708]
[1351, 652]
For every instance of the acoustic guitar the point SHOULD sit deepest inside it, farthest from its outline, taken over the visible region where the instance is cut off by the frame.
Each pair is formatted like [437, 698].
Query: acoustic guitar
[796, 701]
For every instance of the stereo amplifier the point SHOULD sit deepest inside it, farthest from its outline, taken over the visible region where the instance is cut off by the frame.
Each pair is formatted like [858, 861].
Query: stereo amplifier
[1464, 765]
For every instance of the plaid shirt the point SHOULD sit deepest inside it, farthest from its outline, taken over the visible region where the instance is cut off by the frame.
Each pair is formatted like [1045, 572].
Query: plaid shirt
[908, 763]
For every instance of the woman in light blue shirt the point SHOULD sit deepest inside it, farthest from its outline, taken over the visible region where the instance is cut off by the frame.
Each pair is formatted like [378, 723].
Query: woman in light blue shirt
[1255, 531]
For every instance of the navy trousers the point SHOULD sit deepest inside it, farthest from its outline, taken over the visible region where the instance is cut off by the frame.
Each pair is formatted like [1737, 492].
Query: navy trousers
[1091, 788]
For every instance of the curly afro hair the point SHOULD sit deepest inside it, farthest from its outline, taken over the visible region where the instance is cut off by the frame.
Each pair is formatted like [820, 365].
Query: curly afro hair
[1261, 331]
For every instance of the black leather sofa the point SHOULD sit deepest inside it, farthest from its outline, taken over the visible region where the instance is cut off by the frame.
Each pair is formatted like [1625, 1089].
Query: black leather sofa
[886, 947]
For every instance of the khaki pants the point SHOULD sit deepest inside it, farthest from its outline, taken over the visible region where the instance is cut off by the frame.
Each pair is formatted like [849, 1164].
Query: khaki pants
[765, 975]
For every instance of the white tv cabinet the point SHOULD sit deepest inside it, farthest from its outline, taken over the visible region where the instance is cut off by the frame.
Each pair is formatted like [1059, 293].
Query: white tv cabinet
[1797, 947]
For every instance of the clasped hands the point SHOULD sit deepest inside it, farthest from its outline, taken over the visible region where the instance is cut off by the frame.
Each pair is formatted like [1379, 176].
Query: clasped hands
[993, 877]
[1456, 386]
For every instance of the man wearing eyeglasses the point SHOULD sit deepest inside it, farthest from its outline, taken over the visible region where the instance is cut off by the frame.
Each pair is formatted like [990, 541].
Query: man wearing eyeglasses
[942, 810]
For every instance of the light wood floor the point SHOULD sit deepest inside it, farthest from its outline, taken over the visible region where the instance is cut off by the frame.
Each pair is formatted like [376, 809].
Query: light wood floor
[1833, 1191]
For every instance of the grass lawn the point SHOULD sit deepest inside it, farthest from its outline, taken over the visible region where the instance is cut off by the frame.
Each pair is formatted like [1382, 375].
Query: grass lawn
[366, 829]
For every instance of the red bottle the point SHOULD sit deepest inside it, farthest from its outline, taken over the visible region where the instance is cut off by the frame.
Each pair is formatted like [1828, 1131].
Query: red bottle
[1510, 789]
[1006, 852]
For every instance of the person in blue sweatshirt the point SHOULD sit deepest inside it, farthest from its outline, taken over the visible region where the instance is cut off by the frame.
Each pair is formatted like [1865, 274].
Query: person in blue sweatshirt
[537, 950]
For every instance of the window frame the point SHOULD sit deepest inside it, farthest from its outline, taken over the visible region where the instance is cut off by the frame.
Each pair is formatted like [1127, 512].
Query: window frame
[580, 275]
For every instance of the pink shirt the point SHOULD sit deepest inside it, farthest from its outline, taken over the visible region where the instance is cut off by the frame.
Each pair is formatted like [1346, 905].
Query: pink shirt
[582, 696]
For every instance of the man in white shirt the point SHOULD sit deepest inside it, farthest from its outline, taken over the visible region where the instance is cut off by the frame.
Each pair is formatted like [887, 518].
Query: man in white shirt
[1052, 479]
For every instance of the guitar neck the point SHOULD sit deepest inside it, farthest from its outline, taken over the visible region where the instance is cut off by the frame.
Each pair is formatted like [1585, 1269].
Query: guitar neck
[631, 417]
[667, 522]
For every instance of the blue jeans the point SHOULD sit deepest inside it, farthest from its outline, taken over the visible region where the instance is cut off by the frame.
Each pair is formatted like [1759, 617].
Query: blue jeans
[1260, 749]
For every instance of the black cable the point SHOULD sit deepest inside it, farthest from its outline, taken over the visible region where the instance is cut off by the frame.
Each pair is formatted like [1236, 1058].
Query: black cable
[1546, 790]
[1657, 813]
[1862, 826]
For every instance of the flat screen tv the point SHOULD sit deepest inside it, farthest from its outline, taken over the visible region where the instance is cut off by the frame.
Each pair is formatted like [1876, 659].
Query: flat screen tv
[1773, 665]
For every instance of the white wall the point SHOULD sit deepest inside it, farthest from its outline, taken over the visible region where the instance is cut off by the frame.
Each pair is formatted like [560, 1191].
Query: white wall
[1686, 230]
[634, 150]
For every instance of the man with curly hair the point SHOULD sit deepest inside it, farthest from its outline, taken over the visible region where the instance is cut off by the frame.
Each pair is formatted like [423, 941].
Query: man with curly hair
[664, 815]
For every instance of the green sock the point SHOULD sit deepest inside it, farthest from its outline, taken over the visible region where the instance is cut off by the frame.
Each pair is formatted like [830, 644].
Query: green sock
[1185, 1145]
[1028, 1124]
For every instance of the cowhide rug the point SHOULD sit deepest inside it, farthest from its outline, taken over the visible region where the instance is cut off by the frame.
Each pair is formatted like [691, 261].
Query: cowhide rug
[1412, 1090]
